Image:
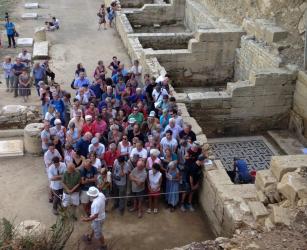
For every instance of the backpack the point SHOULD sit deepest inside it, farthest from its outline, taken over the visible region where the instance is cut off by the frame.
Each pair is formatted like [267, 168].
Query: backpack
[109, 9]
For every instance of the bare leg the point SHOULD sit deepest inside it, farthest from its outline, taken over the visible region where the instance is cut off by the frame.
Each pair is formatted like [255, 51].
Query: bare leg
[155, 201]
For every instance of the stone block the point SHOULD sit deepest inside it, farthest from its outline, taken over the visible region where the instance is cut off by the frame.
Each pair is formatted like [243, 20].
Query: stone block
[280, 216]
[182, 108]
[258, 210]
[218, 177]
[268, 224]
[265, 178]
[31, 5]
[293, 187]
[13, 110]
[202, 139]
[41, 50]
[261, 197]
[274, 34]
[40, 34]
[24, 42]
[29, 16]
[281, 165]
[11, 148]
[30, 228]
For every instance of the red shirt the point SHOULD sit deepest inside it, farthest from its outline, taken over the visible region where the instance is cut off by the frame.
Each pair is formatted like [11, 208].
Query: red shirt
[110, 157]
[99, 126]
[87, 128]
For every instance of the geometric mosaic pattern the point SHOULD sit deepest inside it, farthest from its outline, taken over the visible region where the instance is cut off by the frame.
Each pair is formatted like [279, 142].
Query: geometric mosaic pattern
[255, 152]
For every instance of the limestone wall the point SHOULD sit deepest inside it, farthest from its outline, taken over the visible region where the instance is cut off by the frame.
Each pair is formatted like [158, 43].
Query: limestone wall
[253, 56]
[158, 14]
[209, 58]
[264, 102]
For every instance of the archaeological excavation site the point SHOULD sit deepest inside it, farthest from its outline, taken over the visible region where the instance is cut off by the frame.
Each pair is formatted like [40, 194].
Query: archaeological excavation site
[238, 74]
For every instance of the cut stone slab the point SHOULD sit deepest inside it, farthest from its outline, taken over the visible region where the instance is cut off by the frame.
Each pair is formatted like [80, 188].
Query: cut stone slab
[25, 42]
[280, 216]
[293, 187]
[265, 178]
[258, 210]
[31, 5]
[30, 228]
[13, 110]
[41, 50]
[29, 16]
[281, 165]
[11, 148]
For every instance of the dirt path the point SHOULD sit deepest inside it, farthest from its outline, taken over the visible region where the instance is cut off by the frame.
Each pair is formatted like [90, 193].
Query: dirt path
[23, 182]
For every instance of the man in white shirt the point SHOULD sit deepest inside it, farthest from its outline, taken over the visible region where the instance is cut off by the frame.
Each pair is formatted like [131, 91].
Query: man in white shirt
[25, 58]
[158, 94]
[139, 150]
[169, 142]
[55, 174]
[50, 154]
[97, 216]
[174, 128]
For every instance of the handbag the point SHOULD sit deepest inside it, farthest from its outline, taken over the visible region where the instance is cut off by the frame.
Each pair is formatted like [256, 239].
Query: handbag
[16, 34]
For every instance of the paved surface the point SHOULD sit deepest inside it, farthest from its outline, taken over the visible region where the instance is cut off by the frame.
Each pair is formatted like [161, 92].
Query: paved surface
[255, 150]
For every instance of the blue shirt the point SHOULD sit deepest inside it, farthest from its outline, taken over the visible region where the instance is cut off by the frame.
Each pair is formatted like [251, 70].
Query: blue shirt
[243, 170]
[97, 90]
[39, 73]
[78, 83]
[83, 145]
[10, 28]
[58, 105]
[88, 174]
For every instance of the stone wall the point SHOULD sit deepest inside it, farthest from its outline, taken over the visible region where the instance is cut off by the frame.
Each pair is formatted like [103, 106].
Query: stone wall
[253, 56]
[261, 103]
[208, 60]
[159, 14]
[135, 3]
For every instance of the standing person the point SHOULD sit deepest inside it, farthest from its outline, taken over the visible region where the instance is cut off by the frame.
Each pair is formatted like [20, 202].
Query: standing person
[111, 13]
[55, 174]
[18, 67]
[97, 217]
[10, 32]
[102, 17]
[136, 69]
[25, 58]
[120, 171]
[192, 182]
[138, 178]
[24, 85]
[100, 71]
[71, 184]
[7, 67]
[49, 72]
[154, 185]
[39, 74]
[114, 65]
[88, 179]
[172, 185]
[45, 136]
[241, 168]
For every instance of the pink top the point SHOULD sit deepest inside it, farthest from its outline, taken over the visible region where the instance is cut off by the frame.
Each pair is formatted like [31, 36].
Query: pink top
[151, 162]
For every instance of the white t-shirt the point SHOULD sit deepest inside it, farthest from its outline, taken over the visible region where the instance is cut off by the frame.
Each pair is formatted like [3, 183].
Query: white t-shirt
[157, 96]
[55, 171]
[165, 143]
[97, 164]
[136, 70]
[142, 154]
[27, 56]
[154, 180]
[98, 207]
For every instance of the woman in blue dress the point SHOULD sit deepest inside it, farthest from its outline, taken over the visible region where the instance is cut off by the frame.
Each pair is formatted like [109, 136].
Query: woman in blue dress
[172, 185]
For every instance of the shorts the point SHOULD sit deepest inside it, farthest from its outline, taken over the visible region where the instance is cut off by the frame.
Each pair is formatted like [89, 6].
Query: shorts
[140, 194]
[71, 199]
[186, 187]
[97, 228]
[84, 198]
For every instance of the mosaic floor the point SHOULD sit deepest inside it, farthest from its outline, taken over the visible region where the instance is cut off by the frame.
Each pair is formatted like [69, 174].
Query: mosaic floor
[255, 150]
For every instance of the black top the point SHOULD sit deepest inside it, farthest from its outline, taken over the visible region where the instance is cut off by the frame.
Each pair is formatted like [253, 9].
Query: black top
[186, 136]
[194, 171]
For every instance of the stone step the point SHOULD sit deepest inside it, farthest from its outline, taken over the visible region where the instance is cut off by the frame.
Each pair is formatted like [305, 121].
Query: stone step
[31, 5]
[25, 42]
[41, 50]
[11, 148]
[29, 16]
[258, 210]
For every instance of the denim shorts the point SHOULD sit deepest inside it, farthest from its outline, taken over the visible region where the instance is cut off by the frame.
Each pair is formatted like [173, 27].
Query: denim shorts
[97, 228]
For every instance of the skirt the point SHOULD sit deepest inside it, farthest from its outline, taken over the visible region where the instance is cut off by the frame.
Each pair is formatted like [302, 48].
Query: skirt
[24, 90]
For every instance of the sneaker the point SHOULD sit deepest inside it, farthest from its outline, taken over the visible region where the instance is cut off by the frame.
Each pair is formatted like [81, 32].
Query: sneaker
[149, 210]
[155, 210]
[191, 209]
[182, 208]
[132, 209]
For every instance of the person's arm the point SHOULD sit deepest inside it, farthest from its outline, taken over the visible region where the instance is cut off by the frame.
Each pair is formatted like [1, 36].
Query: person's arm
[91, 218]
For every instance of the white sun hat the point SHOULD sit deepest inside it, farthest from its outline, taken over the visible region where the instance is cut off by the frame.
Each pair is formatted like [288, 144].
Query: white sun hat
[92, 192]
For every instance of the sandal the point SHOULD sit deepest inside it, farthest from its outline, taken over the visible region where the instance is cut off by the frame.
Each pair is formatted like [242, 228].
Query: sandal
[149, 211]
[155, 210]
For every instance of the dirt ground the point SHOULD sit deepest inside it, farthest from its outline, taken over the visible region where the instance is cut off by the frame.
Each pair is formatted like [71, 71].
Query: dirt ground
[23, 182]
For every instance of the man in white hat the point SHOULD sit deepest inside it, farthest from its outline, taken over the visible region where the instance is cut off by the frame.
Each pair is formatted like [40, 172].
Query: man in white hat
[97, 216]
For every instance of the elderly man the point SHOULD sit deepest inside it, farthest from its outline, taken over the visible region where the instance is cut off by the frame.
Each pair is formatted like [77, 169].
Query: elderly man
[111, 155]
[97, 216]
[71, 185]
[81, 80]
[187, 133]
[18, 67]
[174, 128]
[25, 58]
[77, 120]
[138, 178]
[55, 175]
[88, 178]
[83, 144]
[97, 148]
[45, 136]
[120, 171]
[39, 74]
[139, 150]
